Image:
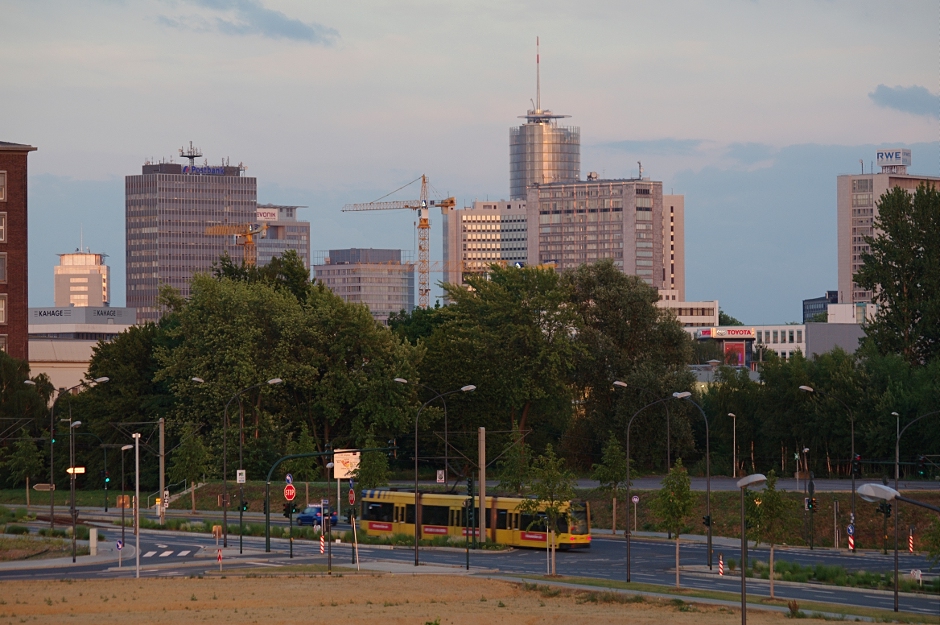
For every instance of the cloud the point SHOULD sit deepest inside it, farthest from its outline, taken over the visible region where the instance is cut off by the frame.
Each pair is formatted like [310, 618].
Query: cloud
[657, 147]
[750, 153]
[250, 17]
[916, 100]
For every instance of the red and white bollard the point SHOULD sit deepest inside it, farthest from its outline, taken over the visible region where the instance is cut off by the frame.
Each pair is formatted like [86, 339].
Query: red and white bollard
[910, 540]
[851, 543]
[721, 564]
[322, 544]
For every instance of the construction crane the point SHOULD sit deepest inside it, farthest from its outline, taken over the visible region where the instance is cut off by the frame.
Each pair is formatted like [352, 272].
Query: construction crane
[424, 228]
[245, 234]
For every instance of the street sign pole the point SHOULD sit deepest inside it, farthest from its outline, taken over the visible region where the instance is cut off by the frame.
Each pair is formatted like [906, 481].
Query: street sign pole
[328, 527]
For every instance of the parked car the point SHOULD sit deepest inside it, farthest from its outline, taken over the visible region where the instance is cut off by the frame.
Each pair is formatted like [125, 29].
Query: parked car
[312, 516]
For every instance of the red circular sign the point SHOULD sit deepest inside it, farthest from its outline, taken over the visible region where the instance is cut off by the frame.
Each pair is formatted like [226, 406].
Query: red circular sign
[352, 497]
[289, 492]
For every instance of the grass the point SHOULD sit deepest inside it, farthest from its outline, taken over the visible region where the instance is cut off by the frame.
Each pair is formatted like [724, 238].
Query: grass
[22, 548]
[838, 576]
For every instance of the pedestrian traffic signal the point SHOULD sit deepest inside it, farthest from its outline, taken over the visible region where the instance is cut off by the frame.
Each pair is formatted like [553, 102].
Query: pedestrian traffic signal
[107, 477]
[857, 466]
[707, 521]
[287, 510]
[244, 506]
[293, 508]
[922, 466]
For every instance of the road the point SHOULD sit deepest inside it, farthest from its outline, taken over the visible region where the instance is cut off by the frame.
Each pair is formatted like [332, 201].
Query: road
[167, 554]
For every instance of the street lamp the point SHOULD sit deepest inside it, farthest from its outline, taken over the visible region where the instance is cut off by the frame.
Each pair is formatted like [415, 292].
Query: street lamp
[446, 445]
[668, 434]
[136, 437]
[743, 483]
[810, 389]
[463, 389]
[708, 471]
[327, 521]
[123, 506]
[241, 440]
[73, 511]
[734, 451]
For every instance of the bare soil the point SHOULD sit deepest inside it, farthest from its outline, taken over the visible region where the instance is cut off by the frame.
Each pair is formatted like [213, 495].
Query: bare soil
[33, 549]
[362, 598]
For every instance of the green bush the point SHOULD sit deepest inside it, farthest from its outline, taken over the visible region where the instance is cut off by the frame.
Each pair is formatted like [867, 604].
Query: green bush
[16, 529]
[46, 531]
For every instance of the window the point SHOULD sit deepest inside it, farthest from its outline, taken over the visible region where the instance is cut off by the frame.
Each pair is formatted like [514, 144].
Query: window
[791, 336]
[3, 267]
[759, 334]
[3, 308]
[775, 336]
[799, 336]
[3, 342]
[3, 227]
[3, 186]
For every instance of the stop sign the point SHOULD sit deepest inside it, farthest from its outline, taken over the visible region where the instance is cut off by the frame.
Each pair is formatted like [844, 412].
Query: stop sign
[289, 492]
[352, 497]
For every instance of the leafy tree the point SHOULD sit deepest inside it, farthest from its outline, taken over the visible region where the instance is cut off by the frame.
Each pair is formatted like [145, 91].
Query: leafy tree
[189, 461]
[903, 271]
[612, 472]
[373, 467]
[418, 324]
[552, 488]
[514, 466]
[932, 542]
[724, 319]
[25, 461]
[282, 272]
[673, 503]
[303, 469]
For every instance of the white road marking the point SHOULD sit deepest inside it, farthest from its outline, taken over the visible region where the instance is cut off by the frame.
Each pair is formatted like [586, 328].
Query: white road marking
[161, 546]
[264, 564]
[149, 554]
[183, 553]
[166, 553]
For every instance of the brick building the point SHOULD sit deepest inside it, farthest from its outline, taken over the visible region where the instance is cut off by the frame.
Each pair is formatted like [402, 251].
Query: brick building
[13, 258]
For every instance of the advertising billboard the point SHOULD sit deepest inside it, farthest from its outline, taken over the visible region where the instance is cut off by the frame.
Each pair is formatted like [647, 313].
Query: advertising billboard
[734, 353]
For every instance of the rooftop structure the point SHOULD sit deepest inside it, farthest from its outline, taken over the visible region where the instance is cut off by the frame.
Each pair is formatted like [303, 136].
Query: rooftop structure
[82, 279]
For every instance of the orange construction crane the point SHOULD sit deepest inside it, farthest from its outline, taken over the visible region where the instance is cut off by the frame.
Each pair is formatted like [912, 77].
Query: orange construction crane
[424, 228]
[245, 234]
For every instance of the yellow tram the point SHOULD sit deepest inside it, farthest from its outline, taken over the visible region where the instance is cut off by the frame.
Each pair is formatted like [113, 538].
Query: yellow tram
[387, 512]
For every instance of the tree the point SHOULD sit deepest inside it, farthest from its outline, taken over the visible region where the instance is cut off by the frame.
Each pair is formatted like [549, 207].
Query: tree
[932, 542]
[552, 488]
[302, 469]
[903, 272]
[769, 518]
[612, 473]
[25, 461]
[724, 319]
[514, 466]
[372, 471]
[189, 461]
[673, 503]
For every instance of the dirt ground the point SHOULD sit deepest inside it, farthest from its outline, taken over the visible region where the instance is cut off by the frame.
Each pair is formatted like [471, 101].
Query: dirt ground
[347, 599]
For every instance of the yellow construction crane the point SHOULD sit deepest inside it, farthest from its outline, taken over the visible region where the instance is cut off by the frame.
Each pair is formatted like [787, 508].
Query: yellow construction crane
[424, 227]
[245, 234]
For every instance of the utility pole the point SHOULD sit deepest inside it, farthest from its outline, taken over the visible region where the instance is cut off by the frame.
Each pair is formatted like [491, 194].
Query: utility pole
[481, 443]
[162, 471]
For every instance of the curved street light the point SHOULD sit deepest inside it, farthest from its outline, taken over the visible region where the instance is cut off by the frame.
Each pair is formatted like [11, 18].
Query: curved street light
[743, 483]
[446, 441]
[463, 389]
[708, 470]
[668, 425]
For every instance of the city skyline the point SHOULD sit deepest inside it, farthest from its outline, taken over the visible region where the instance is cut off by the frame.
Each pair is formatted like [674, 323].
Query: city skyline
[748, 110]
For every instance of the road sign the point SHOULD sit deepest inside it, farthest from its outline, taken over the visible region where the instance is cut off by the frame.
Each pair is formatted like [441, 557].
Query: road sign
[119, 545]
[290, 492]
[289, 478]
[850, 530]
[75, 470]
[440, 476]
[324, 504]
[240, 476]
[220, 556]
[43, 487]
[635, 499]
[352, 497]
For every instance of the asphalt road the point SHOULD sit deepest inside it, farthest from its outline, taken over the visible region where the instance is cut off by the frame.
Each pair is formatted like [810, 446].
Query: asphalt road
[168, 554]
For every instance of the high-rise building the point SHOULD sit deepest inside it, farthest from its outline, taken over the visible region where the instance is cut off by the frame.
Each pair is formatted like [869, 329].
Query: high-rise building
[82, 279]
[168, 208]
[857, 196]
[284, 233]
[14, 337]
[571, 224]
[541, 151]
[374, 277]
[477, 236]
[816, 306]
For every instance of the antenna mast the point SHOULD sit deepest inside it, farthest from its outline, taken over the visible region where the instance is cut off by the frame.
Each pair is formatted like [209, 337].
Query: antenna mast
[538, 79]
[192, 154]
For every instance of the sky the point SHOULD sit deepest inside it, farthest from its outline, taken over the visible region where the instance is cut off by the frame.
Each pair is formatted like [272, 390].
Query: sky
[749, 108]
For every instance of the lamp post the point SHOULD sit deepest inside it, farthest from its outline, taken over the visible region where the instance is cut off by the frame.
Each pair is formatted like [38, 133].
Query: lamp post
[446, 443]
[463, 389]
[241, 439]
[810, 389]
[734, 451]
[668, 434]
[875, 492]
[743, 483]
[708, 471]
[72, 510]
[123, 506]
[136, 437]
[630, 423]
[327, 520]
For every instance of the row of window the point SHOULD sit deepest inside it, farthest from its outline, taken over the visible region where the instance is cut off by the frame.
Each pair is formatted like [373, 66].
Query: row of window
[780, 336]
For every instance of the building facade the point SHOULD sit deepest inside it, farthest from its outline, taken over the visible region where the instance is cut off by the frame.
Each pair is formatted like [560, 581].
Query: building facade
[816, 306]
[482, 234]
[375, 277]
[689, 314]
[82, 279]
[541, 151]
[168, 208]
[14, 266]
[284, 232]
[570, 224]
[857, 198]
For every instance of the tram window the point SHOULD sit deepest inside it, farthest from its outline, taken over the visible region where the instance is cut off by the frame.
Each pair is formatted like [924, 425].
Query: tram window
[463, 517]
[434, 515]
[501, 519]
[375, 511]
[532, 523]
[578, 516]
[409, 513]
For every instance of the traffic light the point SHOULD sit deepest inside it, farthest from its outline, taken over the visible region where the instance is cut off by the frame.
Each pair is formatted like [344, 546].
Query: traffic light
[293, 508]
[887, 509]
[107, 477]
[287, 510]
[922, 466]
[470, 485]
[857, 466]
[707, 521]
[244, 506]
[812, 504]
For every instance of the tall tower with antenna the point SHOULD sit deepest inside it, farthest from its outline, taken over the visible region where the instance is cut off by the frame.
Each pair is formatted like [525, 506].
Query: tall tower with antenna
[541, 151]
[192, 154]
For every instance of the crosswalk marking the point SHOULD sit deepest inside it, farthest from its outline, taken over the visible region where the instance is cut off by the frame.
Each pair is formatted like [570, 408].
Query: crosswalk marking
[149, 554]
[166, 553]
[182, 553]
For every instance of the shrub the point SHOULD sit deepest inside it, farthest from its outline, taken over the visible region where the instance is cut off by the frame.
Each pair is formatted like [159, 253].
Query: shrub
[17, 529]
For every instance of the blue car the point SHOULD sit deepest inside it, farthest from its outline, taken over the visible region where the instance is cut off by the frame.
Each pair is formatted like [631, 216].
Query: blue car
[312, 516]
